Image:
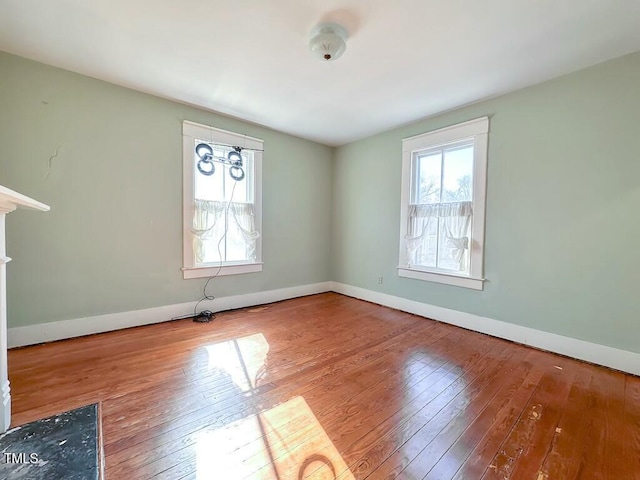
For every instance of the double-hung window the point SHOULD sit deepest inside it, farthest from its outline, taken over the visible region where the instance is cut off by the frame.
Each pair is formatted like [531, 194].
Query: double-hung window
[222, 210]
[443, 205]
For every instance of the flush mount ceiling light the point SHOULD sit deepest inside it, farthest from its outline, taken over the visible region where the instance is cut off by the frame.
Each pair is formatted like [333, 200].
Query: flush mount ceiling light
[328, 41]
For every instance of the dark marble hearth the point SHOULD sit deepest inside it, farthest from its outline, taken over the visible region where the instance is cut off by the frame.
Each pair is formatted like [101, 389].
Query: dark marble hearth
[62, 447]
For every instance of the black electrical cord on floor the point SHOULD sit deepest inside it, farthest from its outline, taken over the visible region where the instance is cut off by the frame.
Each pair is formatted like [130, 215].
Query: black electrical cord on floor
[205, 316]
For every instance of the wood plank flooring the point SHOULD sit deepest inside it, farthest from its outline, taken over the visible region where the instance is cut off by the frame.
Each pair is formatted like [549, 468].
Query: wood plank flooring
[329, 387]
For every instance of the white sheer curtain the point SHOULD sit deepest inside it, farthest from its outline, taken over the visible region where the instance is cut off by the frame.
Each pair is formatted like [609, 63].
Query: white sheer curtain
[456, 221]
[455, 224]
[209, 226]
[244, 216]
[422, 220]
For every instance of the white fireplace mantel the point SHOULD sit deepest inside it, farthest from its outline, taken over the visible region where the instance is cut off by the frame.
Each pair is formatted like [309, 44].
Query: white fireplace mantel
[9, 201]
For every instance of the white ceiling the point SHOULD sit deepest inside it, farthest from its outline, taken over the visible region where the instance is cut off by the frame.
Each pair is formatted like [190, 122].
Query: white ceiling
[405, 59]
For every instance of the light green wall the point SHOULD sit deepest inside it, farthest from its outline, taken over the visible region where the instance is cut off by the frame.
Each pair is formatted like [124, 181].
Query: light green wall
[563, 227]
[563, 193]
[113, 239]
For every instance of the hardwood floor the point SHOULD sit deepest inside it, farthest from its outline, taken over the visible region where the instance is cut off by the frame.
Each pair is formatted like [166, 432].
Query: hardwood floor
[325, 387]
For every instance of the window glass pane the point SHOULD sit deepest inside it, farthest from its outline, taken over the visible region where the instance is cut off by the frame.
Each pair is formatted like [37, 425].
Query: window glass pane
[220, 186]
[428, 249]
[225, 241]
[214, 249]
[446, 252]
[428, 178]
[236, 246]
[208, 187]
[240, 191]
[458, 174]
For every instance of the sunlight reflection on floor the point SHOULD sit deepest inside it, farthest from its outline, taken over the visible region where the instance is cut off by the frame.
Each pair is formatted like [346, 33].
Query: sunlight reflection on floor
[243, 359]
[284, 442]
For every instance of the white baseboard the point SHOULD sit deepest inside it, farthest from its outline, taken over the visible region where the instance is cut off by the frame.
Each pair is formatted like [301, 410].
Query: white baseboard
[623, 360]
[591, 352]
[48, 332]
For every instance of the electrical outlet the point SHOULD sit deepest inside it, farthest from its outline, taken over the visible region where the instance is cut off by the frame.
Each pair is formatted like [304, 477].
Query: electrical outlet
[380, 279]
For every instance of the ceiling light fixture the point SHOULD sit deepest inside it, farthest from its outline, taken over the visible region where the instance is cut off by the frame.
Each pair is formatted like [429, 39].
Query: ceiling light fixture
[328, 41]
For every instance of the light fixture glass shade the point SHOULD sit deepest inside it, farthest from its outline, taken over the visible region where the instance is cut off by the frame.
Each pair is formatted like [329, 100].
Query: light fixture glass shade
[328, 41]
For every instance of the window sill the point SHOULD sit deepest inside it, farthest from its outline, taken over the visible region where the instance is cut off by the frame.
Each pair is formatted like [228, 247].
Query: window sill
[217, 271]
[446, 278]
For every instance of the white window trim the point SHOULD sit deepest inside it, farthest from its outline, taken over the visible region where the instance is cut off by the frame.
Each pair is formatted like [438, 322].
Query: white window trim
[191, 131]
[477, 129]
[212, 271]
